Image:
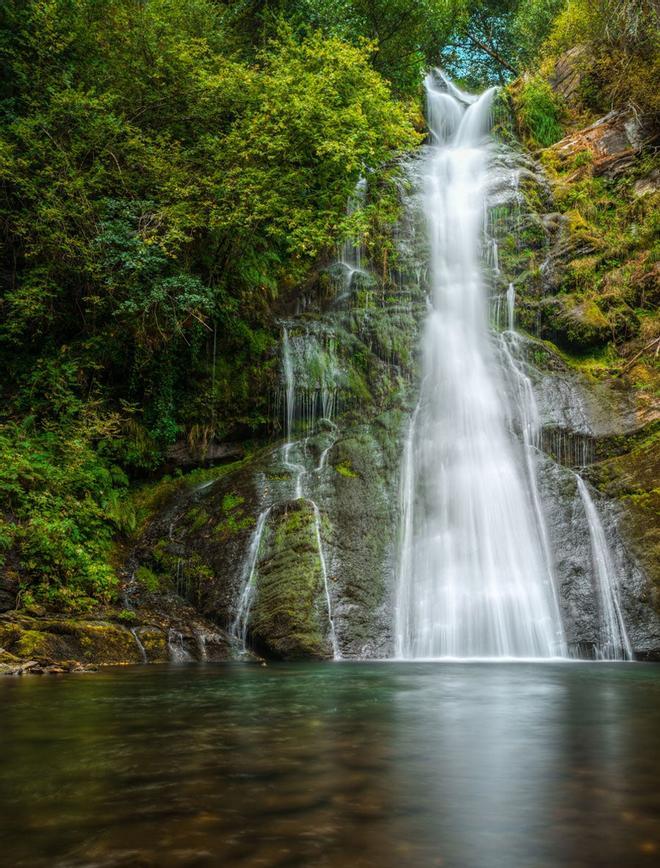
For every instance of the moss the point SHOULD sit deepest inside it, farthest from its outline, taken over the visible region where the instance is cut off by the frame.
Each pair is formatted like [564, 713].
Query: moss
[33, 643]
[68, 639]
[196, 518]
[148, 579]
[153, 497]
[289, 617]
[575, 322]
[632, 478]
[154, 642]
[231, 501]
[344, 469]
[9, 634]
[235, 520]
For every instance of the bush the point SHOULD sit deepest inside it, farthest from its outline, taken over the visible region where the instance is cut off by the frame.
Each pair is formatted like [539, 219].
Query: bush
[539, 112]
[57, 500]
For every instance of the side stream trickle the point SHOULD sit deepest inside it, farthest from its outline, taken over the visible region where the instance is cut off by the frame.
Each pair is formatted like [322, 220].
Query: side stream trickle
[309, 391]
[239, 626]
[615, 644]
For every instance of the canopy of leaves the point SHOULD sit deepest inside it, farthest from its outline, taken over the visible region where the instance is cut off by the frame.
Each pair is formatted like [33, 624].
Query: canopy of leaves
[160, 185]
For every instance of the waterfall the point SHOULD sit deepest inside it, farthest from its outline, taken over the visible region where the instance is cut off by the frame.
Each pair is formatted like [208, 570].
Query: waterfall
[326, 588]
[311, 379]
[511, 306]
[614, 644]
[351, 252]
[138, 642]
[240, 624]
[176, 647]
[303, 409]
[475, 578]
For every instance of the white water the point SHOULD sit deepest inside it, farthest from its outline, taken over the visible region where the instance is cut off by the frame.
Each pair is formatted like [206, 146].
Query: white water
[614, 642]
[326, 588]
[239, 627]
[511, 306]
[294, 453]
[138, 642]
[176, 648]
[351, 253]
[475, 578]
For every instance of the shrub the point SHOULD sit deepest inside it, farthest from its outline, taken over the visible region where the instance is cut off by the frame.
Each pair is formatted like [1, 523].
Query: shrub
[539, 112]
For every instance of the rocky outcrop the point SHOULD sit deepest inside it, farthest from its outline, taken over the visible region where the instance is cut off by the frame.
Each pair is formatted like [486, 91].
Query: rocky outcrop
[199, 544]
[186, 456]
[290, 617]
[613, 142]
[331, 495]
[566, 77]
[8, 592]
[172, 631]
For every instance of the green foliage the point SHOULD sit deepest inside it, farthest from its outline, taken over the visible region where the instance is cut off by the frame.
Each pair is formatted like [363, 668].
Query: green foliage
[148, 579]
[344, 469]
[408, 33]
[538, 111]
[57, 528]
[619, 61]
[162, 178]
[158, 191]
[493, 41]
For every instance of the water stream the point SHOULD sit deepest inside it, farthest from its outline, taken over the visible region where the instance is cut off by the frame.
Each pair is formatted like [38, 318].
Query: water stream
[239, 627]
[476, 573]
[475, 577]
[614, 644]
[305, 405]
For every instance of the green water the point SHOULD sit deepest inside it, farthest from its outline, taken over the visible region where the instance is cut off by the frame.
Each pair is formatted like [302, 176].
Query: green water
[351, 764]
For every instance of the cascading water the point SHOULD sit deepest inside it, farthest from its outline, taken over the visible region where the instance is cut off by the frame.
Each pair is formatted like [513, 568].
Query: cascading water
[614, 644]
[239, 627]
[303, 409]
[474, 573]
[298, 473]
[352, 253]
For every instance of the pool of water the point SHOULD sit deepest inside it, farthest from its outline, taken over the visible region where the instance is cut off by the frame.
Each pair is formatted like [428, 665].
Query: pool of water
[350, 764]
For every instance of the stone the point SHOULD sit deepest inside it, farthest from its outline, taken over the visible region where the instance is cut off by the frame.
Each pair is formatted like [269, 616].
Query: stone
[566, 77]
[289, 617]
[613, 141]
[186, 456]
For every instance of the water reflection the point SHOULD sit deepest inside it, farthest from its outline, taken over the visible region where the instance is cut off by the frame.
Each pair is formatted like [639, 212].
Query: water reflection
[334, 765]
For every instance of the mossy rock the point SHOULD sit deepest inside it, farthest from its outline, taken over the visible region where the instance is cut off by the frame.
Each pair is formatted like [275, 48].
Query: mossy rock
[580, 323]
[69, 639]
[289, 617]
[154, 642]
[632, 478]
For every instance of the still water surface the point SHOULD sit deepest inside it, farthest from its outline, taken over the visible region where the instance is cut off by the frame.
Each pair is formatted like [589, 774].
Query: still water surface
[353, 764]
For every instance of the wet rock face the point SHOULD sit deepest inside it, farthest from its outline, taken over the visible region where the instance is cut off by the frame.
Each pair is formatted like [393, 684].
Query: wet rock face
[185, 456]
[574, 572]
[356, 363]
[60, 643]
[196, 545]
[60, 639]
[289, 618]
[199, 544]
[318, 509]
[364, 514]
